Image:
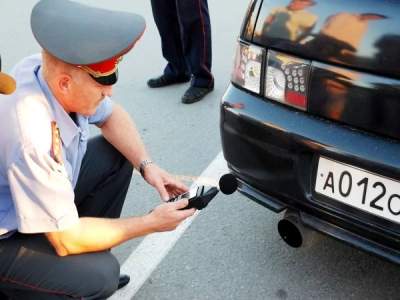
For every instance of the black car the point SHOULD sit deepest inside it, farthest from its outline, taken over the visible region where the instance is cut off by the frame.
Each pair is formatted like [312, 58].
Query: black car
[310, 123]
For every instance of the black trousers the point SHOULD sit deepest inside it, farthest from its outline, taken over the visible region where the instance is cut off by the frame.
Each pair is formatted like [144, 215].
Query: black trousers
[185, 30]
[29, 266]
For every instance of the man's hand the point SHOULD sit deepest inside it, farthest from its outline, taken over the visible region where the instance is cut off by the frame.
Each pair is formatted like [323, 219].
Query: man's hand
[163, 182]
[167, 216]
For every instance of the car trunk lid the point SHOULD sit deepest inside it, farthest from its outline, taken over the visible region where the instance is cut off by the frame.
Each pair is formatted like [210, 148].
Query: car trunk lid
[354, 54]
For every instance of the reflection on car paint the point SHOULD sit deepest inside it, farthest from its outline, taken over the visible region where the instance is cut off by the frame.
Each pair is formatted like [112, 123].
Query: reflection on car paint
[342, 32]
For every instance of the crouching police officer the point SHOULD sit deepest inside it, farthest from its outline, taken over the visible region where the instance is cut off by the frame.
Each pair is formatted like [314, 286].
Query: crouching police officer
[60, 192]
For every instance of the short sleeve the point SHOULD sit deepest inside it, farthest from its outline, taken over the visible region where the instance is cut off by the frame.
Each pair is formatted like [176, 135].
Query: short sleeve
[42, 193]
[102, 113]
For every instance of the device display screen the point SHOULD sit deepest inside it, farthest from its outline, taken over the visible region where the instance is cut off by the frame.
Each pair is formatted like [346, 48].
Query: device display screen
[189, 194]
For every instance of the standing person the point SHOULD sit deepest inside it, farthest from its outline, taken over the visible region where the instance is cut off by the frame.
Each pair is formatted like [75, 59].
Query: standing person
[185, 30]
[61, 193]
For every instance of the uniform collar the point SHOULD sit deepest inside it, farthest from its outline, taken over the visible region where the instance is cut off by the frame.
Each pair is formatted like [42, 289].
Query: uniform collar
[68, 128]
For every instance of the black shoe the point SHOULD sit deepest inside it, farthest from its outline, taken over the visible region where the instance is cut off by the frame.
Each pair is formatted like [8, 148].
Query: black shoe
[194, 94]
[165, 81]
[123, 280]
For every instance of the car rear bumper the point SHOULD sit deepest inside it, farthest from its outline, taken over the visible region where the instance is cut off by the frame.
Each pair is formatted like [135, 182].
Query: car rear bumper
[274, 151]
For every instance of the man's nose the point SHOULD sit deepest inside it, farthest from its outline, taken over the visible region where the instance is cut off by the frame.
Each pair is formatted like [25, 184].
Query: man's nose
[107, 90]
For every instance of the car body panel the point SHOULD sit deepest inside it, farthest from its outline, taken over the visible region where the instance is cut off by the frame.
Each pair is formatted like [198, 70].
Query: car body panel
[273, 150]
[250, 19]
[363, 36]
[359, 99]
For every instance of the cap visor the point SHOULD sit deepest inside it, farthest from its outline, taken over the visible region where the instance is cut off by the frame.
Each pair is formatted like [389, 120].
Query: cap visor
[107, 80]
[7, 84]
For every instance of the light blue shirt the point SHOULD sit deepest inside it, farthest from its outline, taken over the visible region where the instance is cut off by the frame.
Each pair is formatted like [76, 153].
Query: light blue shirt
[36, 192]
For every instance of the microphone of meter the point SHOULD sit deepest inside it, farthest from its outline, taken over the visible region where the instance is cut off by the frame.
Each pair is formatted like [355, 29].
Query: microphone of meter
[228, 184]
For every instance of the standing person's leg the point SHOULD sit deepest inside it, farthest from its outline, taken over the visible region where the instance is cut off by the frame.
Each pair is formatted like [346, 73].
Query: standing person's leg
[166, 18]
[195, 22]
[31, 270]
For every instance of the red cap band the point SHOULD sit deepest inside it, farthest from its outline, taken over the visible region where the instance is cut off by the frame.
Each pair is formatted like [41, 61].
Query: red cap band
[103, 68]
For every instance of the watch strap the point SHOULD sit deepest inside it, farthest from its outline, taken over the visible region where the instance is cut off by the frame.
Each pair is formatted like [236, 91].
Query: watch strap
[143, 164]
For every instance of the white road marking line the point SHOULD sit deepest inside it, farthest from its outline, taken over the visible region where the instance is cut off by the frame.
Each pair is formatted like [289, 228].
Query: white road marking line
[152, 250]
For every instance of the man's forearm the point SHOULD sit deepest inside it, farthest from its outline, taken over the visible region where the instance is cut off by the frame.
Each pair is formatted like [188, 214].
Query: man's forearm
[98, 234]
[120, 130]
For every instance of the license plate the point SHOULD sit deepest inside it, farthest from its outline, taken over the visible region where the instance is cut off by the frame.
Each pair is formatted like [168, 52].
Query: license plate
[359, 188]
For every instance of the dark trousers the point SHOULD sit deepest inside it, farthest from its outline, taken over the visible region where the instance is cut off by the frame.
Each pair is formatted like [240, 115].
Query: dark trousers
[29, 266]
[185, 30]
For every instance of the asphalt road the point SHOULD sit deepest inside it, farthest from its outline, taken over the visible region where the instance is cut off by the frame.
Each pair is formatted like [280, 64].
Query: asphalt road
[232, 250]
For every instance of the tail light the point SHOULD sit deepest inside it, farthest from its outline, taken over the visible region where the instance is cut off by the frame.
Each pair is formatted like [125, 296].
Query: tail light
[286, 79]
[248, 67]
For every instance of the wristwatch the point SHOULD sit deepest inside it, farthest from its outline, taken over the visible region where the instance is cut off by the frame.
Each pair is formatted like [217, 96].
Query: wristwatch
[143, 164]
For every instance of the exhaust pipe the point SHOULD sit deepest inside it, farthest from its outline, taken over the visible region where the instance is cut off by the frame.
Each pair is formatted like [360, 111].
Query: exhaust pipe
[292, 230]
